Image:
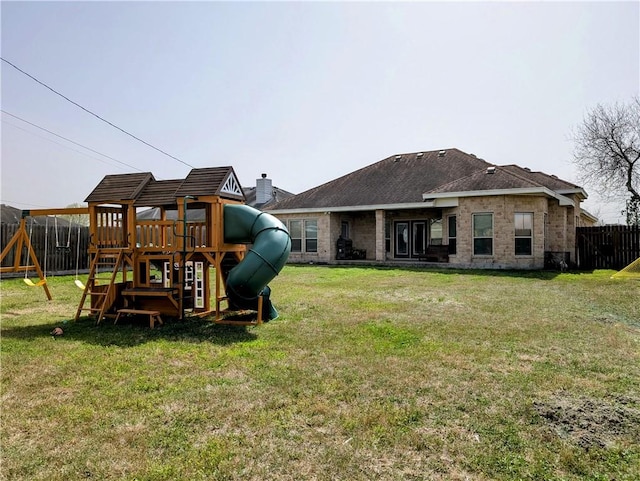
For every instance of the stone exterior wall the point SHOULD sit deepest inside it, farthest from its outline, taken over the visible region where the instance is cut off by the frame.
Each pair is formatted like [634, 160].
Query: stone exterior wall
[553, 230]
[503, 209]
[325, 245]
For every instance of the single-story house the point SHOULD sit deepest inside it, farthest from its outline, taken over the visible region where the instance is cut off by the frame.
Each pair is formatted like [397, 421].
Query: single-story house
[441, 206]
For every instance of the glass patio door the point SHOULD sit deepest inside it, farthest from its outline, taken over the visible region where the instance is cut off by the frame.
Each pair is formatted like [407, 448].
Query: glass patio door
[401, 239]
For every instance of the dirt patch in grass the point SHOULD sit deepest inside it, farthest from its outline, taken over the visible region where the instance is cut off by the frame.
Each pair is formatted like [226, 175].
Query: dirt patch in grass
[590, 422]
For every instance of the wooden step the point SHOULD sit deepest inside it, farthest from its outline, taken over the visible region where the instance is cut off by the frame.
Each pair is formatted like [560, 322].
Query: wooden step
[154, 316]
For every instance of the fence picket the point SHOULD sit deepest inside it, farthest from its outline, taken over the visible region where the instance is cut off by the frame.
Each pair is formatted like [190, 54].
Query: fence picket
[607, 247]
[59, 260]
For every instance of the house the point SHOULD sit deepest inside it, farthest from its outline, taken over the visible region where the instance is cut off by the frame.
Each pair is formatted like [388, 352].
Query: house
[443, 206]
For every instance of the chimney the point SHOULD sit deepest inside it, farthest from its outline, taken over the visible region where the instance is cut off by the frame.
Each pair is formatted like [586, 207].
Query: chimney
[264, 190]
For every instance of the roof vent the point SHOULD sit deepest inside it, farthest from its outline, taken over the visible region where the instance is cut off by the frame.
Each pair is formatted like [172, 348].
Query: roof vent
[419, 154]
[441, 153]
[398, 157]
[527, 169]
[491, 170]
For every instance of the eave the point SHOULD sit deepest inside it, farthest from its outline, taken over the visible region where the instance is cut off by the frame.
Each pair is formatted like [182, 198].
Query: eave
[435, 199]
[349, 208]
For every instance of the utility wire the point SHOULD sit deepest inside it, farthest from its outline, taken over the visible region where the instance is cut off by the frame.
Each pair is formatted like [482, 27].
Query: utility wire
[94, 114]
[30, 132]
[69, 140]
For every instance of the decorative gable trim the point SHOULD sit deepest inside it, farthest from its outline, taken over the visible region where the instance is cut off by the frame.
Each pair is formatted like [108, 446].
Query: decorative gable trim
[231, 186]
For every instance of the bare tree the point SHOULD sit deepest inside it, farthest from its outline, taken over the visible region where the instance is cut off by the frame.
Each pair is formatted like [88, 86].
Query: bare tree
[79, 219]
[607, 153]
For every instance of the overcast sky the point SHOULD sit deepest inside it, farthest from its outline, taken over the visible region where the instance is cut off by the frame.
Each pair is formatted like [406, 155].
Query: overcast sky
[303, 91]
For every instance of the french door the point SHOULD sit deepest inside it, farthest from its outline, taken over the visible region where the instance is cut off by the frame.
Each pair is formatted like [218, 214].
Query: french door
[411, 238]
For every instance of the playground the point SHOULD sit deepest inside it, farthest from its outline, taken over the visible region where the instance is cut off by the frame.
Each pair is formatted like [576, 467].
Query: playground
[388, 374]
[161, 267]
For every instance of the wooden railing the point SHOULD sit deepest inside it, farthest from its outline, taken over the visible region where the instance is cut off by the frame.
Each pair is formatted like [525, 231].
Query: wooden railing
[166, 235]
[109, 228]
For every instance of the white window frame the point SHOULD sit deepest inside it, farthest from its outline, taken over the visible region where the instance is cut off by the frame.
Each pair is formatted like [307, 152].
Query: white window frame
[305, 238]
[455, 237]
[308, 238]
[479, 237]
[516, 236]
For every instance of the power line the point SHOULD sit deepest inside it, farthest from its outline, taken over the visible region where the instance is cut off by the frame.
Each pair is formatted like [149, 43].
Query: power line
[67, 139]
[60, 144]
[94, 114]
[12, 202]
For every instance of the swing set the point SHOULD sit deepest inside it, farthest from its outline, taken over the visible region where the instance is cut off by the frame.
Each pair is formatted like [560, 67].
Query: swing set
[22, 239]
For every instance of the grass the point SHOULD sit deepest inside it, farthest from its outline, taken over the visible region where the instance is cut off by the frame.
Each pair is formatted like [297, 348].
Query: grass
[389, 374]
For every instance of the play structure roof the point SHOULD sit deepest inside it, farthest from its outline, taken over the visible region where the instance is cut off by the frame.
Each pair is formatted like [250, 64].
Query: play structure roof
[144, 190]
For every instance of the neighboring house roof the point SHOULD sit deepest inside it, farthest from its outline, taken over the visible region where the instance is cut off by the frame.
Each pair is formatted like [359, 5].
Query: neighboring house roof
[9, 215]
[154, 213]
[145, 190]
[12, 215]
[398, 179]
[410, 179]
[277, 195]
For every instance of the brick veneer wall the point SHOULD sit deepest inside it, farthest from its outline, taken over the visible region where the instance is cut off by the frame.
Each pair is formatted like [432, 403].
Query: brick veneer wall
[560, 231]
[326, 249]
[503, 209]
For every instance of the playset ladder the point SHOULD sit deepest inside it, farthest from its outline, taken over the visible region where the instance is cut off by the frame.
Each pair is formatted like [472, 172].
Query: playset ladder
[103, 258]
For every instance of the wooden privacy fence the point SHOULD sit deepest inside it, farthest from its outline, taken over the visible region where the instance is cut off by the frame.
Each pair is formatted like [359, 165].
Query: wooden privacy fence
[607, 247]
[60, 258]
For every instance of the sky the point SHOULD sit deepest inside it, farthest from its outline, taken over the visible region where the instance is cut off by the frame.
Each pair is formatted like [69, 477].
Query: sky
[302, 91]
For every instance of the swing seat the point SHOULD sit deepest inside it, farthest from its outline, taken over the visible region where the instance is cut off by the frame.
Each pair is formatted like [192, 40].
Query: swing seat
[79, 283]
[30, 283]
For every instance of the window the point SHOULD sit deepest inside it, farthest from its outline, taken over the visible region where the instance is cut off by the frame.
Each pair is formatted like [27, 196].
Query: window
[452, 234]
[344, 229]
[295, 231]
[523, 234]
[435, 234]
[387, 236]
[304, 233]
[311, 235]
[419, 238]
[482, 234]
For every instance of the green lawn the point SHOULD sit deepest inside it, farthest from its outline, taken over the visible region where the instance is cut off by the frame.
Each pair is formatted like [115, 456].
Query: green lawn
[386, 374]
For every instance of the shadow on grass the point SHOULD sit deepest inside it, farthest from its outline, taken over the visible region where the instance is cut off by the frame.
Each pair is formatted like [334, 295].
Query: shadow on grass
[130, 332]
[442, 269]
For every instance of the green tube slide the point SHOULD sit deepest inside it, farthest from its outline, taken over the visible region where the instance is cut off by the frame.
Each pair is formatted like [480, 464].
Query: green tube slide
[263, 261]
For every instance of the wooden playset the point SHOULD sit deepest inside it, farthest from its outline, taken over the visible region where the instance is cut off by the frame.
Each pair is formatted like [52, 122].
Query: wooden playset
[161, 266]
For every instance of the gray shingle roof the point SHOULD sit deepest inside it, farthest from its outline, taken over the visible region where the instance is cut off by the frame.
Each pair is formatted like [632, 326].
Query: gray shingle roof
[500, 179]
[401, 178]
[503, 178]
[550, 181]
